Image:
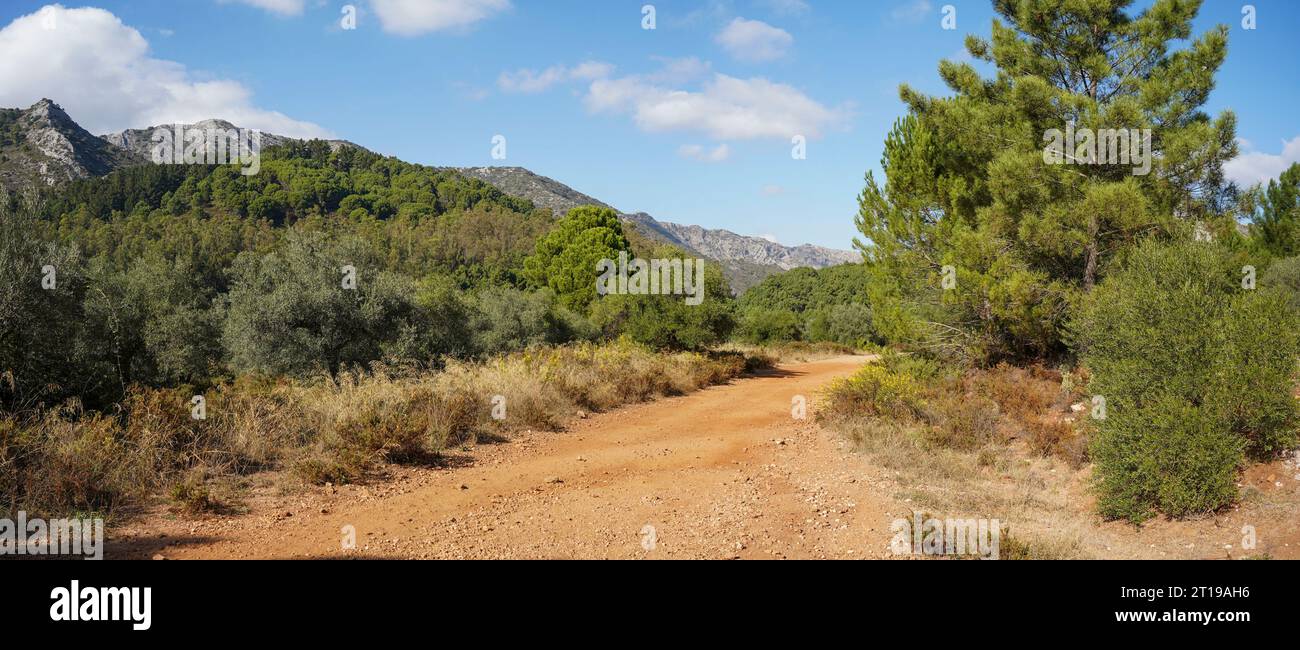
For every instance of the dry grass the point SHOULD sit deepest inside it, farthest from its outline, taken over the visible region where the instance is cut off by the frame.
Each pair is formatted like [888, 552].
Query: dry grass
[997, 443]
[791, 352]
[967, 410]
[1028, 468]
[330, 430]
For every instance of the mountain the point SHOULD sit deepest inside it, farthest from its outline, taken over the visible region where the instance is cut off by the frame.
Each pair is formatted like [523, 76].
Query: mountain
[140, 141]
[746, 260]
[42, 145]
[727, 245]
[542, 191]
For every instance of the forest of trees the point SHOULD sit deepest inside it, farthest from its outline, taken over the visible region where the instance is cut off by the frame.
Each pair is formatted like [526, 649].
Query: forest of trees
[328, 259]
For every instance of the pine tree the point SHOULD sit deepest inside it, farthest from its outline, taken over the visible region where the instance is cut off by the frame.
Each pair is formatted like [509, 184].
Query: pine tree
[985, 181]
[1277, 213]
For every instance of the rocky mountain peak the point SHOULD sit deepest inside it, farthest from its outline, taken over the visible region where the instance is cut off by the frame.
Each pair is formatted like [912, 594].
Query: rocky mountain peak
[43, 145]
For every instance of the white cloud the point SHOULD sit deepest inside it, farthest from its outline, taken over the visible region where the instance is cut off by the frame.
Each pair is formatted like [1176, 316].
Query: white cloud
[100, 71]
[754, 40]
[1251, 167]
[772, 190]
[771, 238]
[698, 152]
[282, 7]
[724, 108]
[588, 70]
[416, 17]
[531, 81]
[913, 11]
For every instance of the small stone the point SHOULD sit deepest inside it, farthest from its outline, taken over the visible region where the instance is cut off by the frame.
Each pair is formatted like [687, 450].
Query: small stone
[158, 556]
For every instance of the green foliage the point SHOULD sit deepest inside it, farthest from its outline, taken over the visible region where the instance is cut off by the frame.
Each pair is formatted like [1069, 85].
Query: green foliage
[809, 304]
[1276, 213]
[1284, 276]
[506, 320]
[849, 324]
[156, 321]
[667, 321]
[1197, 372]
[180, 274]
[566, 258]
[763, 326]
[289, 312]
[42, 354]
[968, 185]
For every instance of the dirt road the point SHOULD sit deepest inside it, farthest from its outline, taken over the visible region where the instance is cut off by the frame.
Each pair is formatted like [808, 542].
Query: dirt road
[725, 472]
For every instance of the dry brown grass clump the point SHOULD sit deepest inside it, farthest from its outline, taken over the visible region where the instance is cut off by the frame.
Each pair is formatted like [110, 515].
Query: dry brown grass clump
[951, 440]
[334, 429]
[967, 410]
[1037, 402]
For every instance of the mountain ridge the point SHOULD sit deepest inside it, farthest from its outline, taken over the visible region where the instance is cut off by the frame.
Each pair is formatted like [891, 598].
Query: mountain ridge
[746, 259]
[43, 145]
[140, 141]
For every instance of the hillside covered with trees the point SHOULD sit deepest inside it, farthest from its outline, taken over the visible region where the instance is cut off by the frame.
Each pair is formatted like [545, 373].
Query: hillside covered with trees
[165, 275]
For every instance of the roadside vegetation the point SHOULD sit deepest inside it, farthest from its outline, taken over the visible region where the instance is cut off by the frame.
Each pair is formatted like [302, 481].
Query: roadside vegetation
[1140, 325]
[336, 311]
[325, 429]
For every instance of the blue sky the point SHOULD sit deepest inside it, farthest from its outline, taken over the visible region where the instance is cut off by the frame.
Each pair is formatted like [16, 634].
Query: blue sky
[689, 121]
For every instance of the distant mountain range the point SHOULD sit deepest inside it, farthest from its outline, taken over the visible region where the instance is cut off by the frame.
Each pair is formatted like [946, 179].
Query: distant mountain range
[140, 141]
[43, 146]
[746, 260]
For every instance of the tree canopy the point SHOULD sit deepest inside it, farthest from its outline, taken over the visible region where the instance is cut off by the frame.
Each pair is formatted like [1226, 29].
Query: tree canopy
[969, 187]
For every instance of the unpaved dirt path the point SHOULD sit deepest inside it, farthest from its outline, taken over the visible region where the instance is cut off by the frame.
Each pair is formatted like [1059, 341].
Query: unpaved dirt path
[725, 472]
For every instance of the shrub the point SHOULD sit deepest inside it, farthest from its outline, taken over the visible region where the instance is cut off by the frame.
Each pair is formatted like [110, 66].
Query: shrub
[1198, 374]
[848, 325]
[192, 495]
[766, 326]
[1284, 276]
[669, 321]
[58, 462]
[289, 312]
[875, 391]
[508, 320]
[1169, 455]
[961, 421]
